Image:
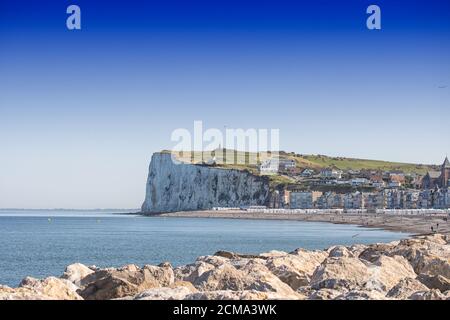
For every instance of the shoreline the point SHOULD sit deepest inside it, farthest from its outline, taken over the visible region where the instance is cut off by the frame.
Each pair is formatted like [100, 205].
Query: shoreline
[414, 225]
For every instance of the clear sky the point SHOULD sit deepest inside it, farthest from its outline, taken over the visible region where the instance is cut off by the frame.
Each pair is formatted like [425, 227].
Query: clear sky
[82, 111]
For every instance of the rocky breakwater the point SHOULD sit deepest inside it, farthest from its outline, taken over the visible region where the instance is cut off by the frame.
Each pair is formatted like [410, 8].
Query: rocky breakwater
[416, 269]
[176, 186]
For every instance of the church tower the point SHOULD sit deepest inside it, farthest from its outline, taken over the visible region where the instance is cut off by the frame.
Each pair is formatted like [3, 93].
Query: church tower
[445, 173]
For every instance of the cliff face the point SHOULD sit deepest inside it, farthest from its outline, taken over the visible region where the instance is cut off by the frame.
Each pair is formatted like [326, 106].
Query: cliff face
[182, 186]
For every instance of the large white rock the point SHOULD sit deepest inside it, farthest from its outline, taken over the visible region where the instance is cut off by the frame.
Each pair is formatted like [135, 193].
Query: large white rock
[175, 186]
[386, 272]
[76, 272]
[340, 273]
[50, 288]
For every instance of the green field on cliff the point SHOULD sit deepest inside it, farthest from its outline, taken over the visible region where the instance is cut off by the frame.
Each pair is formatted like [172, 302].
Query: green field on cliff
[249, 161]
[321, 161]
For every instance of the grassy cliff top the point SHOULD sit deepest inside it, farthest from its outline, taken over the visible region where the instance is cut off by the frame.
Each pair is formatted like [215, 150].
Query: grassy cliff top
[249, 161]
[321, 161]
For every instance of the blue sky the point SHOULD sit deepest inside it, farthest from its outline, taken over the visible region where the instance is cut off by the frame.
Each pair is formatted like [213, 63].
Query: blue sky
[82, 111]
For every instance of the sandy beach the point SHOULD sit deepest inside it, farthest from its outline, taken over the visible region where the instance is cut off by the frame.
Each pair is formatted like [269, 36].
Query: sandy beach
[413, 224]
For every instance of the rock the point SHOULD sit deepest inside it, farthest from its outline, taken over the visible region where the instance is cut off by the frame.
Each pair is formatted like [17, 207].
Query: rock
[435, 282]
[228, 295]
[296, 268]
[436, 238]
[177, 291]
[76, 272]
[50, 288]
[191, 272]
[261, 279]
[125, 281]
[324, 294]
[252, 276]
[312, 258]
[386, 272]
[232, 255]
[238, 295]
[405, 288]
[293, 270]
[165, 264]
[129, 267]
[362, 295]
[357, 249]
[433, 265]
[428, 255]
[447, 295]
[224, 277]
[339, 251]
[428, 295]
[374, 251]
[214, 260]
[338, 273]
[7, 293]
[273, 253]
[163, 275]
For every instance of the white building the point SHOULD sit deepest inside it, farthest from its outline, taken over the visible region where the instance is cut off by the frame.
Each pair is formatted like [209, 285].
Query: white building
[331, 173]
[359, 182]
[269, 166]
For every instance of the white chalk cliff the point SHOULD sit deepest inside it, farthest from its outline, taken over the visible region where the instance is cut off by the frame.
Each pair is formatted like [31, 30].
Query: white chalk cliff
[173, 186]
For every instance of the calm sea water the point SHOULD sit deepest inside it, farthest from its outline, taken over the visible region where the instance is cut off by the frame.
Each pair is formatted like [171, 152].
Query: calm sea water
[42, 243]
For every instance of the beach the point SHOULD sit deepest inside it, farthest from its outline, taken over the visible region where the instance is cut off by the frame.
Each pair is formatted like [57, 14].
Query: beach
[413, 224]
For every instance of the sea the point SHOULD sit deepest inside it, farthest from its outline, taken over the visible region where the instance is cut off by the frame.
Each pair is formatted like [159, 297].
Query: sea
[41, 243]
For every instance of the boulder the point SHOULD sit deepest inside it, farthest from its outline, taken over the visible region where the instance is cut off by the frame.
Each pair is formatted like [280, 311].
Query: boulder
[7, 293]
[296, 268]
[339, 251]
[228, 295]
[224, 277]
[340, 273]
[125, 281]
[177, 291]
[405, 288]
[374, 251]
[324, 294]
[435, 282]
[252, 276]
[261, 279]
[291, 270]
[163, 275]
[357, 249]
[233, 255]
[76, 272]
[50, 288]
[273, 253]
[191, 272]
[213, 260]
[386, 272]
[311, 259]
[433, 294]
[238, 295]
[428, 255]
[361, 295]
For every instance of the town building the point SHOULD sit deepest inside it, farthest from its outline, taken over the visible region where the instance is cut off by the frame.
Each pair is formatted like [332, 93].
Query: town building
[304, 199]
[331, 173]
[440, 179]
[307, 173]
[269, 166]
[286, 164]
